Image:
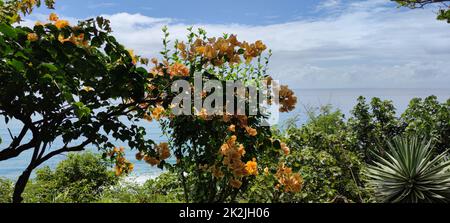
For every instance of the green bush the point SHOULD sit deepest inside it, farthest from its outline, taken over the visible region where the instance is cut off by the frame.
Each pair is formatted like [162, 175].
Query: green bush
[6, 190]
[163, 189]
[322, 151]
[80, 178]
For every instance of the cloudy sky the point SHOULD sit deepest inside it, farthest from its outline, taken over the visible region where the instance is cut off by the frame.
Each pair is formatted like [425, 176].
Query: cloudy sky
[315, 43]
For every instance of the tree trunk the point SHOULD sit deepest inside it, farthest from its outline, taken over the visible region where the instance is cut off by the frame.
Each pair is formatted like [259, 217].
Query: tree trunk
[20, 185]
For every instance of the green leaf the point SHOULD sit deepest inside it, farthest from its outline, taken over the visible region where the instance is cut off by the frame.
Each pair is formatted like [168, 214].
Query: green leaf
[8, 30]
[18, 65]
[51, 67]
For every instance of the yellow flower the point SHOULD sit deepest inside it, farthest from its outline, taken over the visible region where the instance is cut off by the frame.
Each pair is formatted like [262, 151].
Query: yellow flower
[133, 57]
[53, 17]
[157, 112]
[203, 114]
[266, 171]
[32, 37]
[252, 167]
[87, 88]
[61, 24]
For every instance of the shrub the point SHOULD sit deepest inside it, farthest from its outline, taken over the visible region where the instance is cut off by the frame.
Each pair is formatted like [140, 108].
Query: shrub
[6, 190]
[81, 178]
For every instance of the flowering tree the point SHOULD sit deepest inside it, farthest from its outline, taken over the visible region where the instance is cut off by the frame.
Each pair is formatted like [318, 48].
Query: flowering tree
[76, 82]
[69, 82]
[217, 153]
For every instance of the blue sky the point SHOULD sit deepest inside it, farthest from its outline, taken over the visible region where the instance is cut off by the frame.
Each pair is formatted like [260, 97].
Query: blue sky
[315, 43]
[252, 12]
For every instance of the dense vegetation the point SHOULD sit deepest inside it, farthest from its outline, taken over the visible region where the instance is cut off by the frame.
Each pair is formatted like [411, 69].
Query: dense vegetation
[327, 150]
[78, 83]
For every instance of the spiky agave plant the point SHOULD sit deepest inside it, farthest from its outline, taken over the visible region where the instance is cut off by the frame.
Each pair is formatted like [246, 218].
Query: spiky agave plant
[410, 173]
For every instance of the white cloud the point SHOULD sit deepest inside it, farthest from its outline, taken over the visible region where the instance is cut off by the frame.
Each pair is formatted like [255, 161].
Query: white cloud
[367, 44]
[328, 4]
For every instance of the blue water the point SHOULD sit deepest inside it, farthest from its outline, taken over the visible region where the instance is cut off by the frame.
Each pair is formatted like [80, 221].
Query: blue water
[343, 99]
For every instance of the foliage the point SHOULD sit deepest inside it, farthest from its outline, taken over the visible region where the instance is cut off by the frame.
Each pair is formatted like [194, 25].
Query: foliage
[10, 10]
[218, 155]
[73, 82]
[322, 151]
[372, 124]
[166, 188]
[81, 178]
[443, 13]
[410, 173]
[431, 119]
[6, 190]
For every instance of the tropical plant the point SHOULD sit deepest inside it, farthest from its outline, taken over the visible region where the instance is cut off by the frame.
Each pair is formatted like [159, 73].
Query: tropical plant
[409, 173]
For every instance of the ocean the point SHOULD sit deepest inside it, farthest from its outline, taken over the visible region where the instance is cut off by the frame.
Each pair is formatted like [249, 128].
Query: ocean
[342, 99]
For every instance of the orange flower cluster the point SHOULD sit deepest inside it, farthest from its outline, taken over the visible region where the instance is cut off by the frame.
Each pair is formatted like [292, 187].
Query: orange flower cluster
[233, 153]
[163, 150]
[218, 51]
[57, 22]
[122, 165]
[216, 171]
[252, 167]
[287, 99]
[163, 153]
[158, 112]
[291, 182]
[285, 149]
[178, 69]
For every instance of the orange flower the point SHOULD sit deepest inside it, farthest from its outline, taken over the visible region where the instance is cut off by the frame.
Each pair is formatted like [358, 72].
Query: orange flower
[178, 69]
[251, 131]
[53, 17]
[163, 150]
[61, 24]
[287, 99]
[252, 167]
[32, 37]
[285, 149]
[235, 183]
[151, 160]
[157, 112]
[139, 156]
[203, 114]
[232, 128]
